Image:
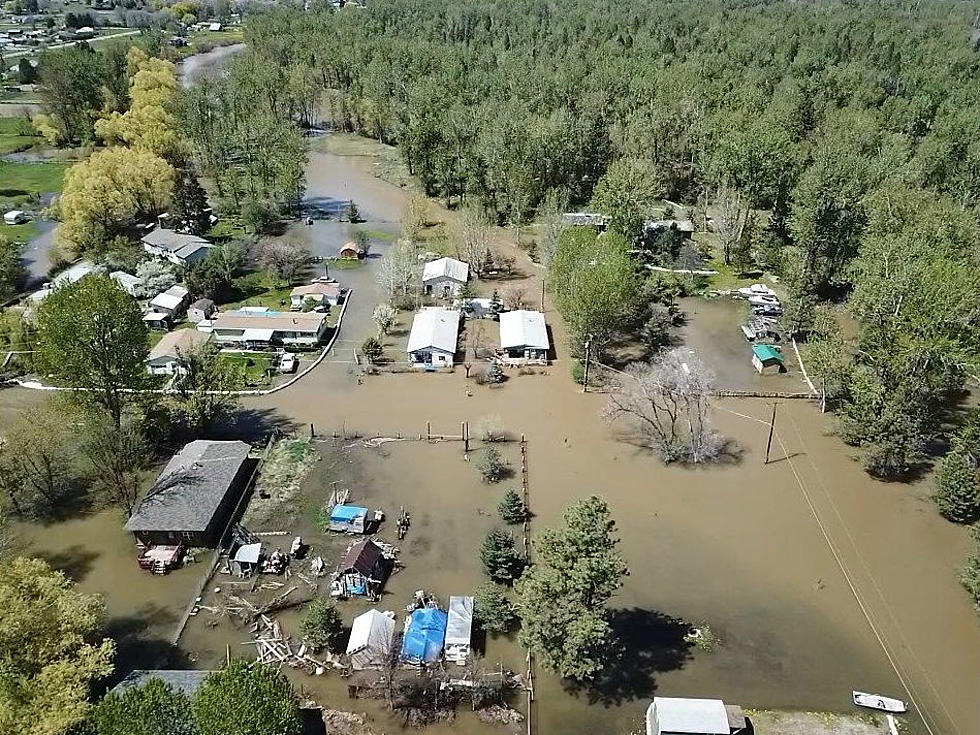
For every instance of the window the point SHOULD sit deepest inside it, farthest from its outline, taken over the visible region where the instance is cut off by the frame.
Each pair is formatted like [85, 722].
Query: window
[187, 535]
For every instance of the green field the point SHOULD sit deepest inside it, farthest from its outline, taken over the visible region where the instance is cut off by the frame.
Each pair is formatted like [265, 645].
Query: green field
[250, 367]
[21, 183]
[259, 289]
[16, 135]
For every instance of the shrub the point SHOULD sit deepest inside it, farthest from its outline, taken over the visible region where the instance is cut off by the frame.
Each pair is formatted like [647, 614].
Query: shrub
[512, 508]
[321, 626]
[578, 372]
[372, 349]
[958, 489]
[491, 467]
[492, 610]
[494, 374]
[501, 562]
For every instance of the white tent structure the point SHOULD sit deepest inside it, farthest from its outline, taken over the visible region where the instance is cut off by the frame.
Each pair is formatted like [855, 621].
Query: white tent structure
[459, 629]
[371, 638]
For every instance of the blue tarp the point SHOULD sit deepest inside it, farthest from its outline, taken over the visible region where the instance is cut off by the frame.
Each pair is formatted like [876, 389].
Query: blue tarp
[347, 513]
[424, 638]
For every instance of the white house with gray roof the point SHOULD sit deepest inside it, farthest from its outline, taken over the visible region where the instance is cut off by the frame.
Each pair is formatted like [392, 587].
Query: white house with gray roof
[432, 342]
[445, 277]
[524, 336]
[193, 498]
[177, 247]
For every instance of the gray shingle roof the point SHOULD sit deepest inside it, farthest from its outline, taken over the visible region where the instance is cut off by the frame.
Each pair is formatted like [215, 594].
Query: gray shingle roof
[190, 488]
[184, 681]
[172, 240]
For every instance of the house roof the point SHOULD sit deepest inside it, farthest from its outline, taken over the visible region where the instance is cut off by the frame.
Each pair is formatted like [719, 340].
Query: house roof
[362, 557]
[184, 681]
[372, 629]
[296, 321]
[446, 268]
[459, 626]
[347, 513]
[171, 298]
[191, 487]
[203, 304]
[317, 289]
[681, 715]
[434, 328]
[523, 329]
[156, 316]
[171, 240]
[123, 277]
[179, 340]
[767, 352]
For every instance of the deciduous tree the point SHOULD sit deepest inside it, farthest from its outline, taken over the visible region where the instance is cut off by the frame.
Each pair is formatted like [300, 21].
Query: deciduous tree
[247, 698]
[155, 708]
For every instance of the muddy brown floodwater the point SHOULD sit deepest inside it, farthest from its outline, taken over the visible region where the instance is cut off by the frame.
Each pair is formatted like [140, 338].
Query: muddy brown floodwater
[755, 550]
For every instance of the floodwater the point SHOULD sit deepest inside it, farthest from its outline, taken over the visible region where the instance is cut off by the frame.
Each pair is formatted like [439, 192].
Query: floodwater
[209, 64]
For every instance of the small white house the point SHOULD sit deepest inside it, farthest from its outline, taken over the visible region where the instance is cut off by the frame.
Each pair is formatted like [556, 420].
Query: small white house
[164, 355]
[432, 342]
[320, 292]
[445, 277]
[371, 637]
[459, 629]
[200, 310]
[524, 337]
[171, 302]
[127, 282]
[682, 716]
[15, 217]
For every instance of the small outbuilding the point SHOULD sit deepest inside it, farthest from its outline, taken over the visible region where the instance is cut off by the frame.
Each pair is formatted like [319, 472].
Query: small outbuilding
[459, 629]
[362, 571]
[193, 498]
[432, 342]
[173, 301]
[683, 716]
[524, 337]
[200, 310]
[425, 634]
[15, 217]
[127, 282]
[348, 519]
[371, 637]
[157, 320]
[445, 277]
[349, 251]
[245, 562]
[767, 359]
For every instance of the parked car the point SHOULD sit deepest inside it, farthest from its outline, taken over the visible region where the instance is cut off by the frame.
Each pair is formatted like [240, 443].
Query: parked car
[288, 363]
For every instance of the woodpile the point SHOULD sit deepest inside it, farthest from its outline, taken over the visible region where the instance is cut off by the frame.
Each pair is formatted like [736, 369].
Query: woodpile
[272, 647]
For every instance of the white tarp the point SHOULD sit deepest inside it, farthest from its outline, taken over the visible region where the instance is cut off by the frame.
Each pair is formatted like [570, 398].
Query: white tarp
[370, 639]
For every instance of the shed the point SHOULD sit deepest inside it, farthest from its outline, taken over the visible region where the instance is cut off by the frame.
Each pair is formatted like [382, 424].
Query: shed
[445, 276]
[348, 519]
[172, 301]
[459, 629]
[157, 320]
[425, 634]
[524, 336]
[767, 359]
[371, 638]
[200, 310]
[683, 716]
[15, 217]
[349, 251]
[193, 498]
[246, 559]
[432, 342]
[361, 572]
[127, 282]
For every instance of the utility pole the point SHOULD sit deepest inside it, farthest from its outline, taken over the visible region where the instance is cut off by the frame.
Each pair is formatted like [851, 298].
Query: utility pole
[772, 426]
[588, 356]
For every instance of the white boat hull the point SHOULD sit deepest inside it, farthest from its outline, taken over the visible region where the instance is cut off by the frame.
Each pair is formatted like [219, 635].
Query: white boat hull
[879, 702]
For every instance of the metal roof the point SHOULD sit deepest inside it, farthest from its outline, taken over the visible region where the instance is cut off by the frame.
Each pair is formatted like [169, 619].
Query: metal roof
[249, 553]
[191, 487]
[171, 240]
[681, 715]
[347, 512]
[767, 352]
[523, 329]
[296, 321]
[434, 328]
[446, 268]
[459, 626]
[372, 629]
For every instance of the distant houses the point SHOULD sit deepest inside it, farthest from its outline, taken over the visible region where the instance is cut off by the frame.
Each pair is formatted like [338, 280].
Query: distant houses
[177, 247]
[165, 355]
[193, 498]
[524, 337]
[432, 342]
[445, 277]
[261, 329]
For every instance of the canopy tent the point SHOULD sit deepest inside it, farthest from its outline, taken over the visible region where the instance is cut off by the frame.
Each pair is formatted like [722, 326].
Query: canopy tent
[370, 639]
[459, 628]
[425, 635]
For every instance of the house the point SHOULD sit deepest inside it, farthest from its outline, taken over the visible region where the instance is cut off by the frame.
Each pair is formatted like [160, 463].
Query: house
[200, 310]
[158, 320]
[348, 519]
[683, 226]
[15, 217]
[71, 274]
[432, 342]
[171, 302]
[681, 716]
[371, 638]
[459, 629]
[524, 337]
[193, 498]
[585, 219]
[319, 292]
[349, 251]
[362, 571]
[767, 359]
[262, 329]
[445, 277]
[187, 682]
[164, 355]
[127, 282]
[177, 247]
[424, 636]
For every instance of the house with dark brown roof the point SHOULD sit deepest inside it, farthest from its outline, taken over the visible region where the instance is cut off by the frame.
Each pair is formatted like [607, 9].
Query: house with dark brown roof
[362, 570]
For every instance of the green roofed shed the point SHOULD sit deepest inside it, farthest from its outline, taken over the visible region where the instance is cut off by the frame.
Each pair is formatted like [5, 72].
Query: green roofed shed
[767, 359]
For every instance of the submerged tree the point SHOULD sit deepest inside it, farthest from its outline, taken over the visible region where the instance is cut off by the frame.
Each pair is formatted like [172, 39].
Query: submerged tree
[667, 401]
[501, 560]
[246, 698]
[512, 508]
[321, 625]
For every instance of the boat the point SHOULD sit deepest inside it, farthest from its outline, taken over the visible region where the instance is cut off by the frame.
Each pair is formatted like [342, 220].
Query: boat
[877, 701]
[763, 300]
[756, 289]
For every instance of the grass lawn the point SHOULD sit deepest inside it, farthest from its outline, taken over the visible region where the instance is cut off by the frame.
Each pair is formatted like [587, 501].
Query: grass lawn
[251, 367]
[225, 229]
[22, 179]
[154, 336]
[18, 233]
[259, 289]
[16, 134]
[344, 264]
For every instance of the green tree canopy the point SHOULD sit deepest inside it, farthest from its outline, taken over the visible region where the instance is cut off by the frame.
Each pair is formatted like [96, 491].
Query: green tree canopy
[155, 708]
[246, 698]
